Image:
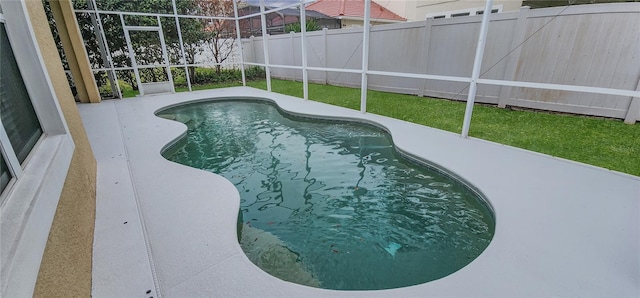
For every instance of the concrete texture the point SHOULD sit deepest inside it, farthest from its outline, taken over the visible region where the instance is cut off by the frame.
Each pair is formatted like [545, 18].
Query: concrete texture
[121, 265]
[562, 228]
[65, 270]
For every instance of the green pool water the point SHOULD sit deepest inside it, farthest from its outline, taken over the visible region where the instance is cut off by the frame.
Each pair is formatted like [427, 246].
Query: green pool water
[333, 204]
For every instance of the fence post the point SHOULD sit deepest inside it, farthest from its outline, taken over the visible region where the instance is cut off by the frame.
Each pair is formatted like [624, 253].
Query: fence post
[512, 63]
[425, 54]
[265, 45]
[633, 113]
[293, 56]
[326, 54]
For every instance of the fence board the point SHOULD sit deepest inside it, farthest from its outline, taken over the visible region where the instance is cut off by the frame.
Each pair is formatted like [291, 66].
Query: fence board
[589, 45]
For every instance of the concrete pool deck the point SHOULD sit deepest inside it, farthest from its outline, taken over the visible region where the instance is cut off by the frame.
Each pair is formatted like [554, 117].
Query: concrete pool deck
[562, 228]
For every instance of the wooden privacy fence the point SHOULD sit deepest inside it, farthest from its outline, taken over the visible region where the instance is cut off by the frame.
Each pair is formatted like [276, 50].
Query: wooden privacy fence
[594, 45]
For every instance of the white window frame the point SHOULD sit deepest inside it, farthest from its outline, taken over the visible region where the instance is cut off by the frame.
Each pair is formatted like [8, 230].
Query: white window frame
[28, 204]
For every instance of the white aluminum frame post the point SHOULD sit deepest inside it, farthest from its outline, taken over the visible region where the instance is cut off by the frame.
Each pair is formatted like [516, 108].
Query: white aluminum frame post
[365, 56]
[477, 65]
[303, 38]
[265, 44]
[184, 58]
[102, 40]
[239, 38]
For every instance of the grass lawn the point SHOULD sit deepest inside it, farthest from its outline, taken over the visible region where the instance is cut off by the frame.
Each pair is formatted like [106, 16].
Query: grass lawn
[605, 143]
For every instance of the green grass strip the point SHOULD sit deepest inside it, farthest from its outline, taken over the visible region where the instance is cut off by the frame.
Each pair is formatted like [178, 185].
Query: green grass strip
[607, 143]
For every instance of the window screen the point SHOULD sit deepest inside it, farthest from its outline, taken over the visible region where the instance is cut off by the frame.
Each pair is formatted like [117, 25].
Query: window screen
[16, 111]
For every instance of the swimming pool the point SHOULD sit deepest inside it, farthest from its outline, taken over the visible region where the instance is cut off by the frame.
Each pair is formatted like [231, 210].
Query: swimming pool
[332, 204]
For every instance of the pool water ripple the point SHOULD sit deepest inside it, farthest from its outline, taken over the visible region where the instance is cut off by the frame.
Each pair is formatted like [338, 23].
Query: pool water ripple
[335, 197]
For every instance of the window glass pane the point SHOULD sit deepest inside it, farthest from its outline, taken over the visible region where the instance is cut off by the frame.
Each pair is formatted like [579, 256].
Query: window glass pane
[462, 14]
[16, 111]
[5, 175]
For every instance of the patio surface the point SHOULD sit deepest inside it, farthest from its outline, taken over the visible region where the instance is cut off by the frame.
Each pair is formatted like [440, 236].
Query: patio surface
[562, 228]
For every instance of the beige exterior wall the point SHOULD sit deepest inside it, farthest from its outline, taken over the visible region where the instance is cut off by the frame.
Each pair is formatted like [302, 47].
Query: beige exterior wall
[418, 10]
[348, 23]
[351, 23]
[399, 7]
[424, 8]
[65, 270]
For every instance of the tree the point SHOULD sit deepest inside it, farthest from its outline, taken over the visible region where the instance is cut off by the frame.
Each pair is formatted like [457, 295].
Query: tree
[220, 32]
[216, 36]
[147, 44]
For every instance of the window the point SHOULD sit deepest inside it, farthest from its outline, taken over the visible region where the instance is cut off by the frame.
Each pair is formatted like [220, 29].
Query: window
[479, 12]
[460, 14]
[16, 111]
[5, 175]
[463, 12]
[35, 150]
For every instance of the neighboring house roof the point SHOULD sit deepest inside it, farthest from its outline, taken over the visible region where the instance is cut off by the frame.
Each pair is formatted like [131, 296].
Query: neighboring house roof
[352, 9]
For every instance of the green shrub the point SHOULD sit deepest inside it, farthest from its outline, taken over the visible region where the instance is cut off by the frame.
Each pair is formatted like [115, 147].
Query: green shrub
[204, 76]
[179, 78]
[255, 73]
[312, 25]
[180, 81]
[105, 89]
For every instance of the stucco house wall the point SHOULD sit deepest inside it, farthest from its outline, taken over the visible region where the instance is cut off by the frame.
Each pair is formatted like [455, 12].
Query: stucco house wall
[357, 23]
[65, 270]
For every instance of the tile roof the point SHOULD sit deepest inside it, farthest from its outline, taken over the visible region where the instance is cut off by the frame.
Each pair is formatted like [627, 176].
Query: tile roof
[352, 8]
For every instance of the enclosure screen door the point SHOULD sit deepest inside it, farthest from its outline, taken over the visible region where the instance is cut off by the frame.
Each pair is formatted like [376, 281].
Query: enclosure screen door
[148, 78]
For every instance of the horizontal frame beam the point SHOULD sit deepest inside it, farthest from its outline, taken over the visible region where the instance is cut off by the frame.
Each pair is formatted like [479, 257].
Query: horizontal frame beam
[147, 14]
[574, 88]
[561, 87]
[142, 28]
